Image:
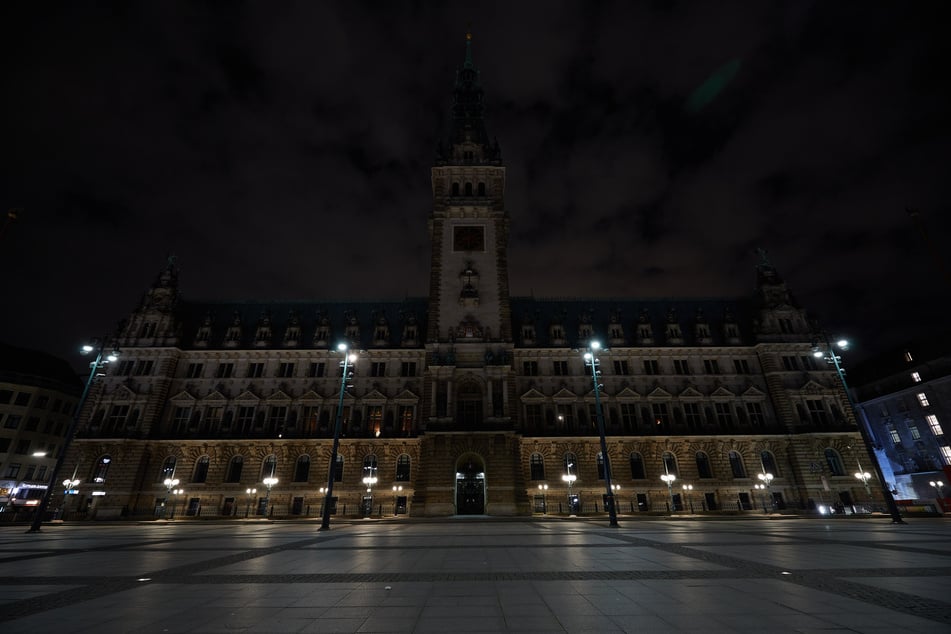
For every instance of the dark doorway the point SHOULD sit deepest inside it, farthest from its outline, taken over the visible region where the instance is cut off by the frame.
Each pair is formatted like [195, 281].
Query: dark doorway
[297, 508]
[642, 504]
[470, 487]
[228, 508]
[710, 499]
[746, 504]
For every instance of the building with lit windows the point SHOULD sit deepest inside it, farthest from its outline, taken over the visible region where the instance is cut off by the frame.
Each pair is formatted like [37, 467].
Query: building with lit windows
[904, 397]
[470, 400]
[38, 397]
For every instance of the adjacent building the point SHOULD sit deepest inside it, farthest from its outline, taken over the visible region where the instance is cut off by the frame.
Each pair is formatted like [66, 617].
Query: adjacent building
[470, 400]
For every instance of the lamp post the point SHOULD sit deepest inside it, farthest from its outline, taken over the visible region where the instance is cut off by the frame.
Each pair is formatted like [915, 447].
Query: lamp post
[669, 479]
[864, 476]
[569, 478]
[397, 489]
[762, 489]
[368, 481]
[833, 358]
[68, 485]
[687, 489]
[328, 499]
[767, 479]
[937, 484]
[543, 489]
[173, 494]
[170, 483]
[250, 493]
[592, 361]
[94, 367]
[268, 482]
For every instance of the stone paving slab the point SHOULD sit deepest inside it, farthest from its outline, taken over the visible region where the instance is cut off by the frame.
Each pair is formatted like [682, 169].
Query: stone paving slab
[532, 575]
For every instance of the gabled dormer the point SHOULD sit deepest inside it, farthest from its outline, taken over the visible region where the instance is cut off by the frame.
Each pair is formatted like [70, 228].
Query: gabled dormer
[234, 332]
[322, 333]
[292, 334]
[381, 330]
[672, 331]
[615, 328]
[410, 337]
[701, 329]
[263, 333]
[645, 331]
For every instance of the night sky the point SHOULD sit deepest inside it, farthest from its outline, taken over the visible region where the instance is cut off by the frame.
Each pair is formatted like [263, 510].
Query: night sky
[283, 151]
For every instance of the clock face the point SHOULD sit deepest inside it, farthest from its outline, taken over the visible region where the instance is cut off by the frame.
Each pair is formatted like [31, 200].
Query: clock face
[468, 238]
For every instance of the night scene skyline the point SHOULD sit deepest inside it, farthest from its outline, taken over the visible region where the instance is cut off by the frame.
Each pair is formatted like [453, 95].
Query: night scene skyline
[283, 152]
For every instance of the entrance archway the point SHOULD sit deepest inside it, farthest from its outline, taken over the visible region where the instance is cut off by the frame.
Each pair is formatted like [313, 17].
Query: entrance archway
[470, 485]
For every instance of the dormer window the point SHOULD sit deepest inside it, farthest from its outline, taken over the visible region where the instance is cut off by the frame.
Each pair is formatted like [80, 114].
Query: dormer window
[262, 335]
[204, 333]
[528, 333]
[292, 336]
[322, 335]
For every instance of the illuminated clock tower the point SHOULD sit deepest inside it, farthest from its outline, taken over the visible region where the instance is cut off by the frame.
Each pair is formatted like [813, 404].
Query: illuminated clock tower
[469, 291]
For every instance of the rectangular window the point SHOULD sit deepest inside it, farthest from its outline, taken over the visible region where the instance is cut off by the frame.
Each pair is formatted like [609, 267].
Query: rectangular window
[790, 363]
[724, 414]
[375, 419]
[530, 368]
[41, 474]
[651, 366]
[908, 357]
[5, 445]
[285, 370]
[406, 414]
[42, 402]
[681, 367]
[317, 369]
[23, 399]
[276, 417]
[628, 416]
[785, 325]
[13, 470]
[5, 396]
[742, 366]
[620, 368]
[408, 368]
[817, 411]
[533, 416]
[560, 368]
[922, 399]
[32, 423]
[915, 434]
[125, 368]
[245, 417]
[946, 454]
[916, 377]
[144, 368]
[180, 418]
[710, 366]
[225, 370]
[23, 447]
[692, 415]
[117, 416]
[808, 362]
[255, 370]
[194, 370]
[755, 412]
[934, 425]
[13, 421]
[378, 368]
[661, 415]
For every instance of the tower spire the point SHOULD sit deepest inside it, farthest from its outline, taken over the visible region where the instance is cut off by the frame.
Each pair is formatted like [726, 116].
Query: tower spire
[468, 139]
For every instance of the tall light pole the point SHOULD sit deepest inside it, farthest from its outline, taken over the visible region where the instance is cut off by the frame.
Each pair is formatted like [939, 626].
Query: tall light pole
[68, 485]
[543, 489]
[833, 358]
[250, 492]
[569, 479]
[368, 481]
[687, 489]
[268, 482]
[668, 479]
[767, 479]
[176, 492]
[328, 499]
[864, 476]
[94, 367]
[169, 483]
[938, 484]
[591, 360]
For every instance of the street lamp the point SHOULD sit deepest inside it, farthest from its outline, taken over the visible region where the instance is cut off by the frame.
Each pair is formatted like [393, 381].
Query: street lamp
[831, 357]
[591, 360]
[169, 483]
[250, 493]
[864, 476]
[767, 479]
[543, 489]
[68, 485]
[348, 358]
[937, 484]
[762, 489]
[687, 489]
[94, 368]
[268, 482]
[397, 489]
[174, 493]
[569, 478]
[368, 481]
[669, 479]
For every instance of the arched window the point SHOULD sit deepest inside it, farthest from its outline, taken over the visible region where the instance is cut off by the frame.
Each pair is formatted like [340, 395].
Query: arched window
[455, 189]
[168, 469]
[769, 463]
[703, 465]
[101, 468]
[369, 466]
[302, 469]
[637, 467]
[570, 464]
[736, 464]
[600, 466]
[537, 463]
[269, 467]
[670, 464]
[234, 469]
[468, 189]
[834, 460]
[338, 469]
[402, 468]
[201, 470]
[482, 189]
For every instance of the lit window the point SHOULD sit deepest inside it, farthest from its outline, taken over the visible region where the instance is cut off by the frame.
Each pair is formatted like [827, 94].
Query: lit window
[915, 434]
[894, 435]
[934, 425]
[946, 454]
[923, 399]
[916, 377]
[908, 357]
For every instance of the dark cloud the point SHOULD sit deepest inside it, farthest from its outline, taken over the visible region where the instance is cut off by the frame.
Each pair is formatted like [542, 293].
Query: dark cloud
[283, 151]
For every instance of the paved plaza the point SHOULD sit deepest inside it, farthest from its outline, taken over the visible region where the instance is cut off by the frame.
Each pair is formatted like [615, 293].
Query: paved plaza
[478, 575]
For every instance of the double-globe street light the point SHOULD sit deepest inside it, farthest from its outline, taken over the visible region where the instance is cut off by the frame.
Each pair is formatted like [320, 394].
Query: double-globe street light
[669, 479]
[833, 359]
[591, 360]
[569, 479]
[348, 358]
[767, 480]
[170, 483]
[250, 492]
[102, 359]
[268, 482]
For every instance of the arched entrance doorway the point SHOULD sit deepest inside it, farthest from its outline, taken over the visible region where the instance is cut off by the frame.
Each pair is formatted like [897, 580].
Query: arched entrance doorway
[470, 485]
